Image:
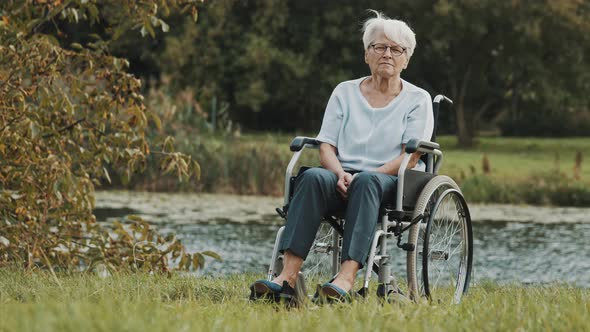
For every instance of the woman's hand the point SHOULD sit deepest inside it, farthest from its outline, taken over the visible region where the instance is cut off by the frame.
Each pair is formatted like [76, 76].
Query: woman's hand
[329, 161]
[344, 180]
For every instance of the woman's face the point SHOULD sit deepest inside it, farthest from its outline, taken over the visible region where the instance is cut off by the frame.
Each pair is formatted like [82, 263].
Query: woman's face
[388, 64]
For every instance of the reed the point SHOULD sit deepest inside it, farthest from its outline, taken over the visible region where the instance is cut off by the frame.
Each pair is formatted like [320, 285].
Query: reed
[496, 170]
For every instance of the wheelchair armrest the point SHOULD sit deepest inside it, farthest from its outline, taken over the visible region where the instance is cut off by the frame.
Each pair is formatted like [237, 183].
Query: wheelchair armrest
[299, 141]
[415, 145]
[297, 146]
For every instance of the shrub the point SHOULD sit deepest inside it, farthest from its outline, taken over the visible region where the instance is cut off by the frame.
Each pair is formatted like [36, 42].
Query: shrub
[66, 115]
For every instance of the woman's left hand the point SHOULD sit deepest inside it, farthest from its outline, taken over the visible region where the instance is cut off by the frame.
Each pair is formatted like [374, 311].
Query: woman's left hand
[344, 180]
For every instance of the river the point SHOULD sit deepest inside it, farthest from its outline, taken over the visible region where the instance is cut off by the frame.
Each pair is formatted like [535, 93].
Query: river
[512, 244]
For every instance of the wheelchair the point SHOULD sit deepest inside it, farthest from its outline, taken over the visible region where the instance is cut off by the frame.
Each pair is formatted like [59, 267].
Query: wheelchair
[429, 220]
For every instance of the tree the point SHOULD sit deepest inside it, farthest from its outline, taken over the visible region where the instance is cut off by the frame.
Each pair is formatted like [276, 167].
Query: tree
[497, 57]
[66, 114]
[276, 67]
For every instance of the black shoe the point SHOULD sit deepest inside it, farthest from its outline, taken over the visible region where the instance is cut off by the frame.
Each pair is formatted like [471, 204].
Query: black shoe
[332, 293]
[287, 295]
[265, 289]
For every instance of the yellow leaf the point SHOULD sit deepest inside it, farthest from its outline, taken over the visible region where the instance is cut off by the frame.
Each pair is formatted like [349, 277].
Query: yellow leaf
[156, 120]
[134, 217]
[170, 167]
[201, 260]
[197, 170]
[195, 14]
[195, 262]
[76, 46]
[212, 255]
[106, 174]
[144, 233]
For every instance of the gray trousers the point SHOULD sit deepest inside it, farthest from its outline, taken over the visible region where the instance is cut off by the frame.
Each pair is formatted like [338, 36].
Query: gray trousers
[315, 196]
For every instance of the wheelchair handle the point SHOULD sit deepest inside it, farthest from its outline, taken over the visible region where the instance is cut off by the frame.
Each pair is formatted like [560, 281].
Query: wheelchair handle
[298, 145]
[300, 141]
[435, 111]
[414, 145]
[438, 98]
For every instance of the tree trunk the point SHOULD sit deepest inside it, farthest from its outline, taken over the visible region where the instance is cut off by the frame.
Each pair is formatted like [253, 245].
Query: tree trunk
[464, 132]
[464, 135]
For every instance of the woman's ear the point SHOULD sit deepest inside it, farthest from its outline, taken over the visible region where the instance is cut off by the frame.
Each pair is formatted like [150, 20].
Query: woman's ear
[366, 60]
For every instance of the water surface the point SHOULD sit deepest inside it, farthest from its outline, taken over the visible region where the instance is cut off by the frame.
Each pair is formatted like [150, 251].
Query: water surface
[511, 243]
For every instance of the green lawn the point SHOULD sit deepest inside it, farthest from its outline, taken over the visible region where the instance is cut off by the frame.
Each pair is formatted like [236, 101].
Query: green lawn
[514, 159]
[84, 302]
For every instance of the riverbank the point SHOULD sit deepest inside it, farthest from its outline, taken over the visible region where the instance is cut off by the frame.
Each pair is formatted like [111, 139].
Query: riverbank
[205, 208]
[537, 171]
[35, 301]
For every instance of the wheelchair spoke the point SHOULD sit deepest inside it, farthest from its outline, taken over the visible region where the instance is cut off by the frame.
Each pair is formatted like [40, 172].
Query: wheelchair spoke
[459, 247]
[318, 264]
[447, 248]
[444, 246]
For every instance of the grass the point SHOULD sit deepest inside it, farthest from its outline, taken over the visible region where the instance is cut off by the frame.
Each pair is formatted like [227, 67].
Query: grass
[34, 301]
[516, 158]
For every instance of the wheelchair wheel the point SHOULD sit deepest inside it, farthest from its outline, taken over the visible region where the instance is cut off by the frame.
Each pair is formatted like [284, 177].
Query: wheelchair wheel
[447, 253]
[440, 267]
[323, 260]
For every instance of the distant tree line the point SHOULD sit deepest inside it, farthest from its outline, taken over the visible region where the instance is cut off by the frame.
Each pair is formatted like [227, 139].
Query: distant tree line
[518, 66]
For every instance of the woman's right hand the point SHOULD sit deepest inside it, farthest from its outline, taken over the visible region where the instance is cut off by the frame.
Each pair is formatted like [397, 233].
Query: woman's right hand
[329, 161]
[344, 180]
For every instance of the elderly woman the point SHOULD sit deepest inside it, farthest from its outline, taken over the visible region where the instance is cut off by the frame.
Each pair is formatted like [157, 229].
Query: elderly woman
[366, 125]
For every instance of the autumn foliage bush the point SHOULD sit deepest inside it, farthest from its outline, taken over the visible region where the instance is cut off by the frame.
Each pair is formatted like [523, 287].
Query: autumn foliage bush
[67, 114]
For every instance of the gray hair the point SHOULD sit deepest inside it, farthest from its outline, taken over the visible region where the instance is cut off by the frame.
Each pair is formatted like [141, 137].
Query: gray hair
[396, 30]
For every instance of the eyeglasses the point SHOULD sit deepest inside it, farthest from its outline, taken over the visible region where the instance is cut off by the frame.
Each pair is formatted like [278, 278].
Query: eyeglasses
[382, 48]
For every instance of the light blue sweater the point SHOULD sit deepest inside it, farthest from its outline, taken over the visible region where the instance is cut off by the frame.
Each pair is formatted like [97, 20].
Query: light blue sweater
[368, 137]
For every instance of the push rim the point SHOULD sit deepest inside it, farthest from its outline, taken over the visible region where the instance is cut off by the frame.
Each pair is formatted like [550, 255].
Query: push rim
[448, 247]
[424, 205]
